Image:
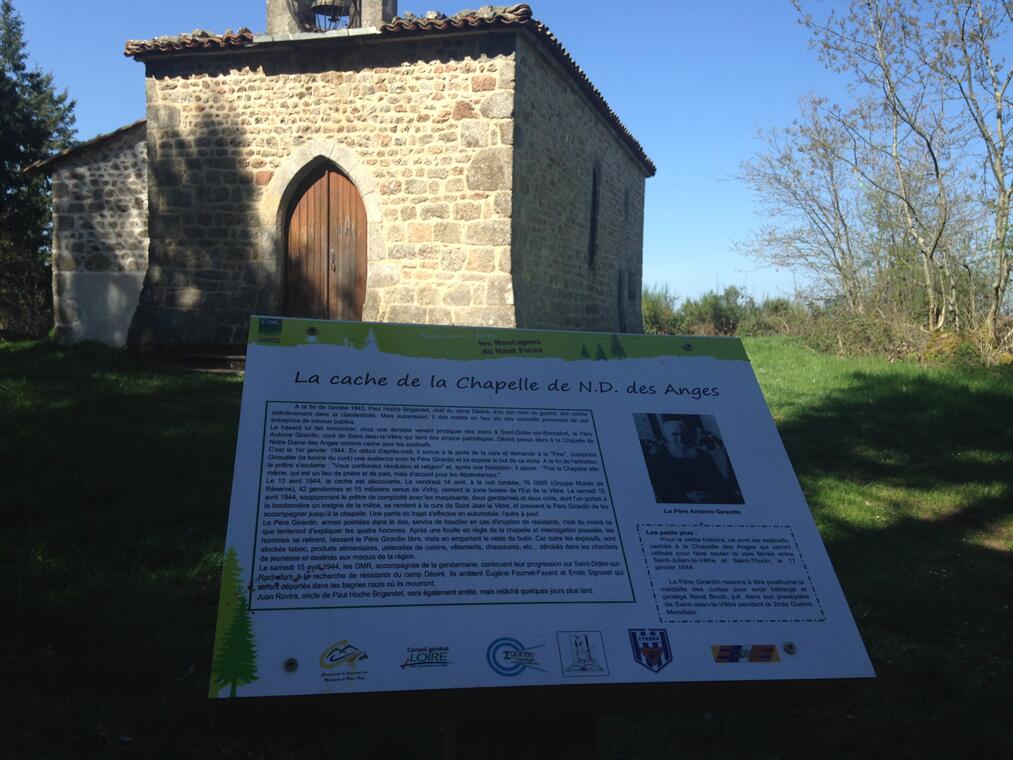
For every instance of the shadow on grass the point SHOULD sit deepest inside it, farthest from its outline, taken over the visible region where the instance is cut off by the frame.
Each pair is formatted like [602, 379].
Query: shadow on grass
[115, 481]
[909, 478]
[115, 487]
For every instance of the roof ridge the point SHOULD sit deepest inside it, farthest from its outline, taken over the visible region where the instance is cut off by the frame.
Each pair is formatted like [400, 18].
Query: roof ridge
[483, 16]
[198, 39]
[588, 86]
[84, 145]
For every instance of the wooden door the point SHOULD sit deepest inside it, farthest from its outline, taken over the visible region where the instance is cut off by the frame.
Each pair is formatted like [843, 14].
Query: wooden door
[325, 262]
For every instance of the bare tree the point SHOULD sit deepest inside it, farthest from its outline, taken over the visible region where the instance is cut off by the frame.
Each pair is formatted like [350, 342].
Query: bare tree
[962, 53]
[805, 186]
[901, 116]
[899, 202]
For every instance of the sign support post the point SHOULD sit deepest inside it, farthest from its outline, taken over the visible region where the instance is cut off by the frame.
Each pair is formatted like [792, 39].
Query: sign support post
[534, 738]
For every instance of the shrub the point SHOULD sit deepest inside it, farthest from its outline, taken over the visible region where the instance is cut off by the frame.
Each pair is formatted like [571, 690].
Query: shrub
[775, 316]
[660, 313]
[715, 313]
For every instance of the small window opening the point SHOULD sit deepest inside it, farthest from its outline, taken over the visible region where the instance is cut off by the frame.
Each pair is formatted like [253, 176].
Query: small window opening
[622, 306]
[592, 236]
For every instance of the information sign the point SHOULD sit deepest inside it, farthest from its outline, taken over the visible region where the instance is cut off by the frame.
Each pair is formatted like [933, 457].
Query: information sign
[435, 508]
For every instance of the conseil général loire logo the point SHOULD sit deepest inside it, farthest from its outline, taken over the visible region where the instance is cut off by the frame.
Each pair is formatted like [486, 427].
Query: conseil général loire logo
[426, 657]
[509, 657]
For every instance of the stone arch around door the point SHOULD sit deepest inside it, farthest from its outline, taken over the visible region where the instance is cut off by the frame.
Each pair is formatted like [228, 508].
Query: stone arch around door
[284, 189]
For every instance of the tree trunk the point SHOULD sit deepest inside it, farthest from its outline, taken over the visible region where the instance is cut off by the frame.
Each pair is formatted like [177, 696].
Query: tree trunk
[1002, 268]
[951, 282]
[972, 315]
[930, 291]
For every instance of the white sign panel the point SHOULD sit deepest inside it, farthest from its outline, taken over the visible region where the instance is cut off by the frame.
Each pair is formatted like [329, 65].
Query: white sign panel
[420, 508]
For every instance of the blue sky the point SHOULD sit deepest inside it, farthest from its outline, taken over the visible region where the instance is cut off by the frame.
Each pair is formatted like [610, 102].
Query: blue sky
[692, 80]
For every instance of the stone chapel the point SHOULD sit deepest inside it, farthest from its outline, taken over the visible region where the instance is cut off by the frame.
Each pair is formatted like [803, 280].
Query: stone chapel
[438, 169]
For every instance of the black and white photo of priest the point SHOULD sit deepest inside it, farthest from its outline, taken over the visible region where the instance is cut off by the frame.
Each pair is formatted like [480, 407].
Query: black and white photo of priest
[687, 460]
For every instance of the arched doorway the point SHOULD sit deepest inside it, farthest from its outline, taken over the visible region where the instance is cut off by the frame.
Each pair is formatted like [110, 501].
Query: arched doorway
[325, 248]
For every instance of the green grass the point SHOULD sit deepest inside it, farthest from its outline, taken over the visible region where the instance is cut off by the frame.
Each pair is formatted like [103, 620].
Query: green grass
[114, 483]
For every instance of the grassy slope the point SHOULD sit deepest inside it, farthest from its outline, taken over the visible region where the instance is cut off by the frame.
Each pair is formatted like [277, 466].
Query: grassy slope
[114, 483]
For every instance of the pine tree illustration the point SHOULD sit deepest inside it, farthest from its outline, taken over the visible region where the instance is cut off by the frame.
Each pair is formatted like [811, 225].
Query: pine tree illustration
[583, 352]
[237, 660]
[234, 651]
[600, 354]
[617, 348]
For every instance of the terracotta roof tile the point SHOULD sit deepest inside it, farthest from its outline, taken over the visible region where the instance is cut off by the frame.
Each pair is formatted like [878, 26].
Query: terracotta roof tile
[73, 150]
[197, 40]
[487, 17]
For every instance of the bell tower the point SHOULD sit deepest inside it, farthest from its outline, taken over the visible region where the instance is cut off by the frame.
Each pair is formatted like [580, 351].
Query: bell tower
[289, 17]
[297, 16]
[378, 12]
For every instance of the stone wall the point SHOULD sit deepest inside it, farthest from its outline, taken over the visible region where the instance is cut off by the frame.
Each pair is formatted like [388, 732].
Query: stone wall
[423, 128]
[100, 237]
[560, 141]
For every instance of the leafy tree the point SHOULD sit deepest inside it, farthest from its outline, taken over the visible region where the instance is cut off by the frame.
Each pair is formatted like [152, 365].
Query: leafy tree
[35, 122]
[235, 655]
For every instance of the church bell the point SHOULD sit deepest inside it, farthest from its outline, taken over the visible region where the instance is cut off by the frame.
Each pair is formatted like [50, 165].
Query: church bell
[336, 14]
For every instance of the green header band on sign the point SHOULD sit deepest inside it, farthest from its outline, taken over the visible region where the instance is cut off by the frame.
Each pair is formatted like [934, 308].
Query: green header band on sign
[467, 343]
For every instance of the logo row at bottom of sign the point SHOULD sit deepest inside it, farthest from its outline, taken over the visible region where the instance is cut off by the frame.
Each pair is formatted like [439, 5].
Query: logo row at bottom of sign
[581, 655]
